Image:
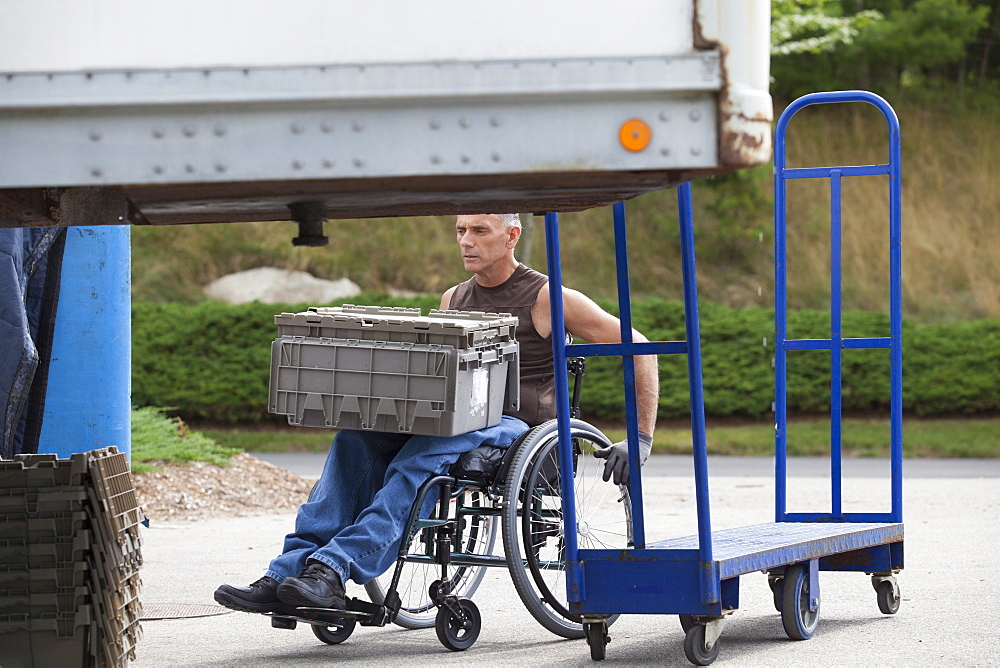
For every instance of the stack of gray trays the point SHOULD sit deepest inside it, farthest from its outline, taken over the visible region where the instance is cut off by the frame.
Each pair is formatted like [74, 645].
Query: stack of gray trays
[69, 561]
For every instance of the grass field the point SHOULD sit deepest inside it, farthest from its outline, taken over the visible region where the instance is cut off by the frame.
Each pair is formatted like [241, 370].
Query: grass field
[157, 439]
[861, 438]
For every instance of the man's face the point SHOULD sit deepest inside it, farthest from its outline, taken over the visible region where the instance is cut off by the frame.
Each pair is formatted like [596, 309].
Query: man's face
[483, 240]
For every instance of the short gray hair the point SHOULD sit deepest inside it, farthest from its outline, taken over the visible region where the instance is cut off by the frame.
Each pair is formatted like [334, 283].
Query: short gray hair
[510, 219]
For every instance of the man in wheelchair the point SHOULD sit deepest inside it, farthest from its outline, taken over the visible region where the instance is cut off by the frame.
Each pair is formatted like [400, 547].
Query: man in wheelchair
[352, 525]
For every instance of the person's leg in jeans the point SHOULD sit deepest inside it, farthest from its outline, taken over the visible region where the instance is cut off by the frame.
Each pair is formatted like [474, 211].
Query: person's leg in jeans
[369, 546]
[360, 517]
[354, 471]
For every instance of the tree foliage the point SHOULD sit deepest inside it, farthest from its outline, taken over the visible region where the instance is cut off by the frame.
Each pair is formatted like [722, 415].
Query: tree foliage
[879, 44]
[815, 26]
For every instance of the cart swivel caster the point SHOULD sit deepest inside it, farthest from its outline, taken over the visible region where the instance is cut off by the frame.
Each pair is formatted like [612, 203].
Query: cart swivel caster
[687, 621]
[458, 623]
[597, 638]
[887, 592]
[701, 639]
[777, 584]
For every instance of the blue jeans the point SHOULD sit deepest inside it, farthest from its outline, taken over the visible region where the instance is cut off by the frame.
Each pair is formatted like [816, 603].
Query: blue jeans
[356, 517]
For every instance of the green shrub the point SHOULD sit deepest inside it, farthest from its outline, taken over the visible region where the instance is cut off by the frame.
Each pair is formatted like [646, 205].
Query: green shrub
[210, 361]
[157, 438]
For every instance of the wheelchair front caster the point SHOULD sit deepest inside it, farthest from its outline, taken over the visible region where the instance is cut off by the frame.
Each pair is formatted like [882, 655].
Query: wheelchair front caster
[458, 623]
[335, 634]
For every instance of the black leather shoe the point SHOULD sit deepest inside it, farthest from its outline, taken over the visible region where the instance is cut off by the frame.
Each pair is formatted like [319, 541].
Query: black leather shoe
[317, 586]
[260, 596]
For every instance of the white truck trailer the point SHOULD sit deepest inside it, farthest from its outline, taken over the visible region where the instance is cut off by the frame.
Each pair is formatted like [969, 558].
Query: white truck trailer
[201, 111]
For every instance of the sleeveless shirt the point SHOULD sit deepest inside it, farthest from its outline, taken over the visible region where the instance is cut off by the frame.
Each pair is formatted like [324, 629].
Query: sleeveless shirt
[516, 296]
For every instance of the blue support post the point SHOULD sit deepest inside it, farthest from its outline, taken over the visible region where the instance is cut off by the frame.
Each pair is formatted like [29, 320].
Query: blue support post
[709, 580]
[780, 335]
[628, 373]
[88, 404]
[895, 309]
[836, 344]
[561, 379]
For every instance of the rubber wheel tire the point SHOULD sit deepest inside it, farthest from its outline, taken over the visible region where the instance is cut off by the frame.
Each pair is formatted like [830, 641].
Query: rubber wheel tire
[532, 499]
[694, 647]
[450, 630]
[777, 590]
[887, 601]
[799, 621]
[597, 639]
[687, 622]
[332, 635]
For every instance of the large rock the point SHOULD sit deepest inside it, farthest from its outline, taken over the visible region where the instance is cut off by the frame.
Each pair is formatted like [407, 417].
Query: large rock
[271, 286]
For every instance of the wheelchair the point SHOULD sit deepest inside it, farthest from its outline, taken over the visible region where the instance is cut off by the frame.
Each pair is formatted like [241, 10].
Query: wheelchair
[515, 492]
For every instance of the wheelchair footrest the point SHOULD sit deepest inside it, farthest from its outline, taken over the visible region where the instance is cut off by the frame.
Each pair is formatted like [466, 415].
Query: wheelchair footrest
[369, 614]
[363, 612]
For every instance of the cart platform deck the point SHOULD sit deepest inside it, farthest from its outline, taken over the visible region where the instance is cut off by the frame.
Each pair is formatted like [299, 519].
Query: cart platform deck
[765, 546]
[668, 577]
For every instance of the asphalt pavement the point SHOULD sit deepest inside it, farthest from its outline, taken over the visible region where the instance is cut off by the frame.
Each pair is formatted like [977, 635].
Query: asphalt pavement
[949, 587]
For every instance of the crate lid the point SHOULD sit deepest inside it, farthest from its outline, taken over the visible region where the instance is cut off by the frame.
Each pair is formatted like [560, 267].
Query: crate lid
[350, 315]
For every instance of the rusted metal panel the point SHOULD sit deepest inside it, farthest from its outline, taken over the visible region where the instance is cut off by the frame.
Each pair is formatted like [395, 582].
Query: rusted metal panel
[362, 198]
[736, 31]
[25, 208]
[876, 559]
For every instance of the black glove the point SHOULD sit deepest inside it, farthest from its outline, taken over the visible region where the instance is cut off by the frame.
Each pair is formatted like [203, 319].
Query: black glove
[617, 456]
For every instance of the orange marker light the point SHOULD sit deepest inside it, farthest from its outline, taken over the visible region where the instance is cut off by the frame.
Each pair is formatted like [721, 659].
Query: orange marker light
[635, 135]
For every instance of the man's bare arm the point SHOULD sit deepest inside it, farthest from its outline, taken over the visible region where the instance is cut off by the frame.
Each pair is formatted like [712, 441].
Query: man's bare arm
[446, 298]
[585, 319]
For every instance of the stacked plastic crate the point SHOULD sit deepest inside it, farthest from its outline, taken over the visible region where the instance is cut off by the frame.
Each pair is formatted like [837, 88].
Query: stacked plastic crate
[392, 369]
[69, 561]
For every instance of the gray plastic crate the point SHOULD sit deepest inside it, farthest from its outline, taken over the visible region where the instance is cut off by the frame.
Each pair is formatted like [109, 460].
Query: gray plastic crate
[458, 329]
[42, 470]
[69, 560]
[52, 640]
[22, 576]
[385, 369]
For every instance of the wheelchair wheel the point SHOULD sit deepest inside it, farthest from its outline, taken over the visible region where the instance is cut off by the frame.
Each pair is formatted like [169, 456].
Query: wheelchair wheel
[533, 520]
[476, 534]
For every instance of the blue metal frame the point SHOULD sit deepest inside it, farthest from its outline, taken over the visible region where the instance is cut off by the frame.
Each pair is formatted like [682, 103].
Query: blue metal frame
[709, 585]
[837, 342]
[699, 575]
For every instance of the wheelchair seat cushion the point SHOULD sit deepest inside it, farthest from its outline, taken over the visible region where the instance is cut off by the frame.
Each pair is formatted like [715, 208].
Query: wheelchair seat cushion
[480, 463]
[486, 463]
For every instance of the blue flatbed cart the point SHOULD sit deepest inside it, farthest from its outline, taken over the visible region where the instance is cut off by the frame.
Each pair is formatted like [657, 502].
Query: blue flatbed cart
[697, 577]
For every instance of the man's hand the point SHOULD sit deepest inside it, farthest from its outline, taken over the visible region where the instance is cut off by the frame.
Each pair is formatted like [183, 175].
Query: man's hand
[617, 455]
